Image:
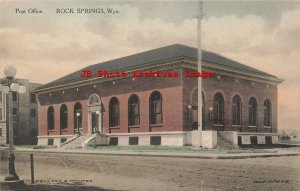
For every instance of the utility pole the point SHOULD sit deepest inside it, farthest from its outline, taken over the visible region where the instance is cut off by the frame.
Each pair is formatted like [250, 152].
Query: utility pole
[199, 19]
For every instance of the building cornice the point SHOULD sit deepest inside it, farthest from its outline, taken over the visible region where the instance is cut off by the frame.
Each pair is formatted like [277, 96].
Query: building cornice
[182, 63]
[97, 80]
[236, 73]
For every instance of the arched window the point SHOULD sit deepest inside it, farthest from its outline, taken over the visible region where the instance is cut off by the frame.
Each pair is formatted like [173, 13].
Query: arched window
[50, 118]
[77, 117]
[63, 117]
[156, 115]
[218, 109]
[252, 112]
[114, 116]
[133, 110]
[267, 113]
[236, 110]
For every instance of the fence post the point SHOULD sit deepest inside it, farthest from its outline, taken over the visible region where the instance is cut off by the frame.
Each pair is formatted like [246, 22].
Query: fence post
[32, 168]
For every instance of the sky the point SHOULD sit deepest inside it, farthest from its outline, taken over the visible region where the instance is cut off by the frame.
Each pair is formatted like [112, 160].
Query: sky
[261, 34]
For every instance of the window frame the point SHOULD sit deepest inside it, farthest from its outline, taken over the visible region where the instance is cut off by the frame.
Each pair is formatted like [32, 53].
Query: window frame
[133, 115]
[219, 114]
[155, 100]
[14, 96]
[15, 112]
[1, 114]
[32, 98]
[252, 112]
[50, 121]
[31, 112]
[114, 113]
[267, 113]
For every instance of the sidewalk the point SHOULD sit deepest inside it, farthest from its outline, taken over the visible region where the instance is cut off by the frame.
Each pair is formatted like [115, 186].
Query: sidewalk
[195, 155]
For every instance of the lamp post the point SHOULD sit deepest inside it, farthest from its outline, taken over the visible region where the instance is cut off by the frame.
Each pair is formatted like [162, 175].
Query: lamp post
[9, 85]
[77, 116]
[190, 108]
[210, 109]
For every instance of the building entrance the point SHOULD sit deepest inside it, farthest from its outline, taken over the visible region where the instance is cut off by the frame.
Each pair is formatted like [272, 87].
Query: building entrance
[94, 114]
[95, 122]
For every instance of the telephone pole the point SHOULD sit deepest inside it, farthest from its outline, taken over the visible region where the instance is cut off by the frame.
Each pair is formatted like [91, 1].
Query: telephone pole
[199, 19]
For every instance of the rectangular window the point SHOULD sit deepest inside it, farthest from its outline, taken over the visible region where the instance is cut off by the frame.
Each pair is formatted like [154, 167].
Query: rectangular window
[133, 140]
[268, 140]
[33, 98]
[0, 96]
[15, 111]
[3, 108]
[14, 96]
[33, 112]
[0, 132]
[239, 141]
[50, 141]
[253, 140]
[113, 141]
[155, 140]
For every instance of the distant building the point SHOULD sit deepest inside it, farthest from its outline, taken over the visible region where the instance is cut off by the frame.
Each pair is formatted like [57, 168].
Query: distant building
[24, 113]
[2, 118]
[239, 102]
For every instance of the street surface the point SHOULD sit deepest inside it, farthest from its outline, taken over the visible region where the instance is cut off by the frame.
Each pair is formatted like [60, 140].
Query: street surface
[97, 172]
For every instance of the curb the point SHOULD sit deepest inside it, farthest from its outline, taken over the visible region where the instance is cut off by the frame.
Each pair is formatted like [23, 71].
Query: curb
[166, 155]
[259, 156]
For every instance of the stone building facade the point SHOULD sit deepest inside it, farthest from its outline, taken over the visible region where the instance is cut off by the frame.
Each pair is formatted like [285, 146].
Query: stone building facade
[24, 114]
[131, 110]
[3, 122]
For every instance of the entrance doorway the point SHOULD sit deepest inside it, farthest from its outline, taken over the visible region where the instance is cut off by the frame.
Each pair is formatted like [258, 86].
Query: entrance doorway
[94, 114]
[95, 122]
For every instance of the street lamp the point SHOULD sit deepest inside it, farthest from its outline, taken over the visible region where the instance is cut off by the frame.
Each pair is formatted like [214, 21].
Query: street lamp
[210, 109]
[7, 86]
[77, 116]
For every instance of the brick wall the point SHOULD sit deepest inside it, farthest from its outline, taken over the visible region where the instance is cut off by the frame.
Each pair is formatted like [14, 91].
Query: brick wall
[176, 94]
[229, 87]
[170, 89]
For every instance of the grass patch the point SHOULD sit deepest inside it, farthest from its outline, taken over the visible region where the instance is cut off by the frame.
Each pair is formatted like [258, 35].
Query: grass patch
[39, 147]
[185, 149]
[24, 146]
[34, 146]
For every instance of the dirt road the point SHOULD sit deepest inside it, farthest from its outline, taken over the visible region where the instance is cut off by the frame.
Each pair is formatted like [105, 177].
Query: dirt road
[94, 172]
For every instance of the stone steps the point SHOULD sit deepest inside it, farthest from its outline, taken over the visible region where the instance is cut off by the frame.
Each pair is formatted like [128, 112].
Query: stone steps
[75, 144]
